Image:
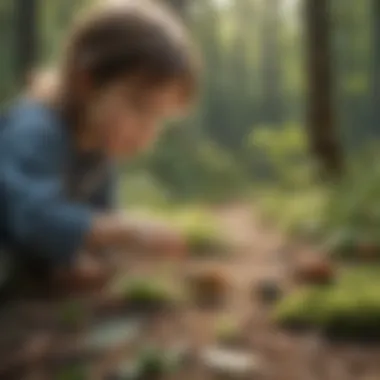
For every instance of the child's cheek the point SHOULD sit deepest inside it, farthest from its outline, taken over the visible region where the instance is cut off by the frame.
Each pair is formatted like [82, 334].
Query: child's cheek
[122, 142]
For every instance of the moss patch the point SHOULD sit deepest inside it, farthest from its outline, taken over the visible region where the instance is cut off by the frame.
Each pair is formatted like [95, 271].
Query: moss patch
[349, 309]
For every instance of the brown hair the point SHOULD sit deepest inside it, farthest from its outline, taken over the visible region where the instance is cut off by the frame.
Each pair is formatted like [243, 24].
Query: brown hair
[137, 38]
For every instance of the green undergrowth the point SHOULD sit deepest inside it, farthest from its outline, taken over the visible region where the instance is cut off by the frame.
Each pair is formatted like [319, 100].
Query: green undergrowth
[349, 308]
[146, 290]
[298, 214]
[202, 231]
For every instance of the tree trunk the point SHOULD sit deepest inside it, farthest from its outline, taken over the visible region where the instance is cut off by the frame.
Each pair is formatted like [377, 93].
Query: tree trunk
[376, 69]
[26, 37]
[323, 135]
[271, 108]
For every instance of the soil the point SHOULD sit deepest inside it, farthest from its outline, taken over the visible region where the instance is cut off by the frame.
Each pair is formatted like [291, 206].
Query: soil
[33, 346]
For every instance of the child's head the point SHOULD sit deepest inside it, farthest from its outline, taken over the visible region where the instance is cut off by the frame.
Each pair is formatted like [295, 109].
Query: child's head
[128, 67]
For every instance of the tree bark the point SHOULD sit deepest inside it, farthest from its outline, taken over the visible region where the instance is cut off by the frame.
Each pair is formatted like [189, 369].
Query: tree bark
[323, 134]
[376, 69]
[26, 37]
[271, 108]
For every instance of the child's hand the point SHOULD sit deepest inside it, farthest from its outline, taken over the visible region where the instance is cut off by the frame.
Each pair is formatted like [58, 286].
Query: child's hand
[85, 275]
[162, 239]
[123, 232]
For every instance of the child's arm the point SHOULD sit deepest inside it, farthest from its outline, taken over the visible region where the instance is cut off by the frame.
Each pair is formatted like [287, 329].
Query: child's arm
[41, 218]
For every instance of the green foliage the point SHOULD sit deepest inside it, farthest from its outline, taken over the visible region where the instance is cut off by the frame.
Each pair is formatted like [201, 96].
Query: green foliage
[188, 167]
[153, 362]
[298, 214]
[148, 291]
[283, 152]
[352, 217]
[73, 373]
[202, 233]
[203, 240]
[201, 230]
[72, 314]
[206, 158]
[142, 189]
[349, 308]
[228, 330]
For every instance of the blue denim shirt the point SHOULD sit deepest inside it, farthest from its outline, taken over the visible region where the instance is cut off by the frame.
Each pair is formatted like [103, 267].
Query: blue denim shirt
[37, 215]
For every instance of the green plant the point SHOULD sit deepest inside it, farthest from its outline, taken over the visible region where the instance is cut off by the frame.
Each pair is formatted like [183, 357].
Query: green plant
[201, 230]
[351, 218]
[228, 331]
[71, 314]
[142, 189]
[298, 214]
[148, 292]
[283, 152]
[205, 239]
[73, 373]
[154, 363]
[350, 308]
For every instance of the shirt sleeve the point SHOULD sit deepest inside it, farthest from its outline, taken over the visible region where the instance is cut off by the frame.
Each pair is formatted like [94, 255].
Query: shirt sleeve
[40, 218]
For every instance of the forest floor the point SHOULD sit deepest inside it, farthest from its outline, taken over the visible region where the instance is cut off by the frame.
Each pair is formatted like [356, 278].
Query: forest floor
[280, 355]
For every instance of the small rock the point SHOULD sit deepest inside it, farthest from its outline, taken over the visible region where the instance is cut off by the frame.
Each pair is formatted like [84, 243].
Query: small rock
[231, 364]
[111, 333]
[268, 291]
[182, 356]
[126, 371]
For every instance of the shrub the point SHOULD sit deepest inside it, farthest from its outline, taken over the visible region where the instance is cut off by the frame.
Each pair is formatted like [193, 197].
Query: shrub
[228, 332]
[154, 364]
[297, 214]
[147, 293]
[203, 234]
[352, 217]
[73, 373]
[349, 309]
[142, 189]
[284, 154]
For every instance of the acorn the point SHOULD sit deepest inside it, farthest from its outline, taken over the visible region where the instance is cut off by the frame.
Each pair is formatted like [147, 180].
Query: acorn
[315, 271]
[208, 288]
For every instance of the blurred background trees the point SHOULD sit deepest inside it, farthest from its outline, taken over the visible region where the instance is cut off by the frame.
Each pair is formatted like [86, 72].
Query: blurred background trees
[257, 77]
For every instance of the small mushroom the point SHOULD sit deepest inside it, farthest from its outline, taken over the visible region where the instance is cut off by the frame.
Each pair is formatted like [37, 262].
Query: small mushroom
[316, 271]
[268, 291]
[208, 289]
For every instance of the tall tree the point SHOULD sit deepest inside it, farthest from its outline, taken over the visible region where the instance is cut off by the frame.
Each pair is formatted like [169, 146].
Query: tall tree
[271, 58]
[26, 36]
[376, 68]
[323, 134]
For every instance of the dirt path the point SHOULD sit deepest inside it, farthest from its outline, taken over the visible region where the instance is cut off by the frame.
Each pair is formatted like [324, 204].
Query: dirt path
[281, 356]
[285, 357]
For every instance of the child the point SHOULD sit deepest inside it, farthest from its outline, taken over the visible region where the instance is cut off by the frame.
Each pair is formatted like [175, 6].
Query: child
[127, 67]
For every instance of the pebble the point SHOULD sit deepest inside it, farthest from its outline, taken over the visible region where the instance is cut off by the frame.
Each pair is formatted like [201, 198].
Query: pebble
[231, 364]
[112, 333]
[268, 291]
